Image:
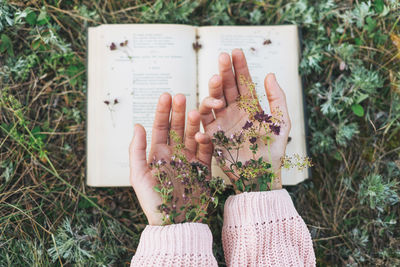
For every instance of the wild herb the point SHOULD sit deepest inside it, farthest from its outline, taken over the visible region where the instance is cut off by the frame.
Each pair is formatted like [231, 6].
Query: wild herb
[255, 173]
[186, 187]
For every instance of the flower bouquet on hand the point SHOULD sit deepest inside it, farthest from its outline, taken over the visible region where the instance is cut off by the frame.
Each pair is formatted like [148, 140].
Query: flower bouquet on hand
[186, 187]
[249, 144]
[245, 154]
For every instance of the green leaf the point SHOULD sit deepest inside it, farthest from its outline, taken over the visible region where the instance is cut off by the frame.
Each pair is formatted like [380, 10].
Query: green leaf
[337, 156]
[358, 41]
[215, 201]
[361, 98]
[43, 18]
[6, 45]
[157, 189]
[84, 203]
[31, 18]
[379, 6]
[371, 24]
[36, 133]
[262, 183]
[239, 184]
[358, 110]
[191, 215]
[36, 44]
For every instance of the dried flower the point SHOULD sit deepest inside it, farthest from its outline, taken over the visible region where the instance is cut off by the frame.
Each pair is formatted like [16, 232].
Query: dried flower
[262, 117]
[256, 172]
[275, 128]
[247, 125]
[125, 43]
[267, 42]
[197, 188]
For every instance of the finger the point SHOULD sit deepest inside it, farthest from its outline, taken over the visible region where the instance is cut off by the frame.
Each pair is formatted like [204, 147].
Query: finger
[192, 127]
[241, 69]
[216, 91]
[228, 78]
[206, 107]
[161, 120]
[277, 101]
[205, 149]
[137, 153]
[178, 115]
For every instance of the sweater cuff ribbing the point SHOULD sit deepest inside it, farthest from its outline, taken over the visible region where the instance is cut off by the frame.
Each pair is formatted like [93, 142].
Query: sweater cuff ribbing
[175, 239]
[258, 207]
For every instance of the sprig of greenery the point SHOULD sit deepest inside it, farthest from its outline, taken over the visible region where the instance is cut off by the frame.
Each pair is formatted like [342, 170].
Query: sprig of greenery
[255, 173]
[186, 187]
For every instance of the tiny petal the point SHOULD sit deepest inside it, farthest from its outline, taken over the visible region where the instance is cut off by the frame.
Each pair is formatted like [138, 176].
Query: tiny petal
[275, 128]
[247, 125]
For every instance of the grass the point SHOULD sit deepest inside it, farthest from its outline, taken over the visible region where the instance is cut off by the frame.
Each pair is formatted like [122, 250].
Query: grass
[350, 65]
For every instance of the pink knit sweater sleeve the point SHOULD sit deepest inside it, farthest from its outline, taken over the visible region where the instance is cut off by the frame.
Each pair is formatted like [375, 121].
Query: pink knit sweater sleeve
[264, 229]
[184, 244]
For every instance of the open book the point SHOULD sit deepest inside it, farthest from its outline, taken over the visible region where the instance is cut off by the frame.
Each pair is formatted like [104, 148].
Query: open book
[131, 65]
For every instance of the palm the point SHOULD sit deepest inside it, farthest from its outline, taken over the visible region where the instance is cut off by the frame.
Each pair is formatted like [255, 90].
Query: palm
[228, 117]
[166, 152]
[232, 119]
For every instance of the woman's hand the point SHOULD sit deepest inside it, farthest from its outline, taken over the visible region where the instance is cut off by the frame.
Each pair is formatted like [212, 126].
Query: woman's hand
[224, 90]
[198, 147]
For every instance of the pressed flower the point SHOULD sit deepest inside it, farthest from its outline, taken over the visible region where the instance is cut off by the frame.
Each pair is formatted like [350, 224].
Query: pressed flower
[253, 139]
[247, 125]
[275, 128]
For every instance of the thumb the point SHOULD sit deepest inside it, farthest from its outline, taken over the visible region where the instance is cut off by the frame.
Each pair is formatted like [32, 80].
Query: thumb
[137, 153]
[277, 100]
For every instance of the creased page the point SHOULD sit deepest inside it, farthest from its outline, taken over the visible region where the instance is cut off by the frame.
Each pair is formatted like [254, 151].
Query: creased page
[267, 49]
[132, 66]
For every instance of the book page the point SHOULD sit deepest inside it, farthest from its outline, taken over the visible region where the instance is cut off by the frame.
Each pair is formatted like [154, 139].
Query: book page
[130, 66]
[267, 49]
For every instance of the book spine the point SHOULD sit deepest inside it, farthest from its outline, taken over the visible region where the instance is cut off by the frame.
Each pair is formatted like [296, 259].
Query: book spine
[307, 130]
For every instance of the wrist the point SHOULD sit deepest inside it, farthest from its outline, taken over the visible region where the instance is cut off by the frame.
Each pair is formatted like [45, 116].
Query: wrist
[277, 181]
[155, 219]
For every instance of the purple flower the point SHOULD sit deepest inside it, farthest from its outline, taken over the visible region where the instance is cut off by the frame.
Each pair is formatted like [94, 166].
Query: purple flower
[248, 125]
[275, 128]
[253, 139]
[261, 116]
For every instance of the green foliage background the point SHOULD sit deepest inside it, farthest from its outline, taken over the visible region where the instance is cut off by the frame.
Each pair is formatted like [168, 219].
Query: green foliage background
[350, 65]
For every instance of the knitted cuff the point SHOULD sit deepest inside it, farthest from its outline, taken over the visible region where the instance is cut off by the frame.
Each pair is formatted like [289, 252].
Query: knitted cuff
[258, 207]
[175, 239]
